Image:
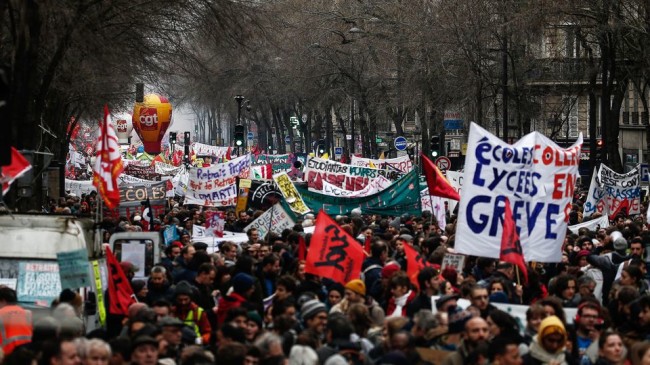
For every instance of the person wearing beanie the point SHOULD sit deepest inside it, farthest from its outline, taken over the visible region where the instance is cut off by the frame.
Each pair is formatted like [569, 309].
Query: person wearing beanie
[607, 262]
[243, 286]
[314, 317]
[190, 313]
[548, 346]
[355, 292]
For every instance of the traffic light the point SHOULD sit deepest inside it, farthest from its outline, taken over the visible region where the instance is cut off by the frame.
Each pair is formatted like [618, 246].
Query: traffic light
[600, 150]
[239, 135]
[320, 147]
[172, 137]
[435, 145]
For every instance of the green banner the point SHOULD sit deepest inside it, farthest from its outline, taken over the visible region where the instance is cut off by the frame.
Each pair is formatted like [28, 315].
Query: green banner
[401, 197]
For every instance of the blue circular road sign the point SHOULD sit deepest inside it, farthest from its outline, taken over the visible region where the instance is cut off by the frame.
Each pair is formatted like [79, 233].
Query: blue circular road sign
[250, 136]
[400, 143]
[287, 139]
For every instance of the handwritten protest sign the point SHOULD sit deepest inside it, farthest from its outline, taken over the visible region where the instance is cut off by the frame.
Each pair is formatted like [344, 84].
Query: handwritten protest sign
[537, 176]
[74, 269]
[275, 220]
[291, 195]
[216, 185]
[621, 192]
[454, 260]
[402, 163]
[375, 186]
[594, 202]
[215, 222]
[341, 175]
[166, 169]
[435, 205]
[455, 179]
[201, 149]
[79, 187]
[38, 282]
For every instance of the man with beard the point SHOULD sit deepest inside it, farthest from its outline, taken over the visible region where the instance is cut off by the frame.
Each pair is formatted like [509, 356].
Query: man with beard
[203, 283]
[190, 313]
[476, 334]
[636, 252]
[159, 286]
[267, 273]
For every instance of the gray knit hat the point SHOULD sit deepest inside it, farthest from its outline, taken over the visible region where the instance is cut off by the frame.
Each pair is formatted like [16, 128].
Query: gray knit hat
[312, 308]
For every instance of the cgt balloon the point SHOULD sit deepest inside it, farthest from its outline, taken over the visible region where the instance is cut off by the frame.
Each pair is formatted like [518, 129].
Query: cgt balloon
[123, 127]
[151, 118]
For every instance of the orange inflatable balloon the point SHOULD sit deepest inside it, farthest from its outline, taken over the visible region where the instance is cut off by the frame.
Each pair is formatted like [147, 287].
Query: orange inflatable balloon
[151, 119]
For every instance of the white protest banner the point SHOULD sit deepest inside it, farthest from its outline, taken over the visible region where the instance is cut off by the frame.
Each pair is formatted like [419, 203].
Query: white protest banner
[125, 179]
[592, 225]
[278, 163]
[180, 180]
[375, 186]
[274, 219]
[166, 169]
[201, 149]
[79, 187]
[216, 185]
[290, 193]
[455, 179]
[594, 202]
[438, 207]
[341, 175]
[622, 193]
[402, 163]
[535, 174]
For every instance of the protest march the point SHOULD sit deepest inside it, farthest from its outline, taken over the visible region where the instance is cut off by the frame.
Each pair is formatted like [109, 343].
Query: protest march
[301, 259]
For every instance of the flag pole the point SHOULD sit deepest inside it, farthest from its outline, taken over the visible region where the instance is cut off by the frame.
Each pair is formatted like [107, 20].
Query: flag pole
[432, 213]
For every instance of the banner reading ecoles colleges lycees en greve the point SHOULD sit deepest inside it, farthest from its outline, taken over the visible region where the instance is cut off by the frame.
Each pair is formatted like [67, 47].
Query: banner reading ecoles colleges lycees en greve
[536, 175]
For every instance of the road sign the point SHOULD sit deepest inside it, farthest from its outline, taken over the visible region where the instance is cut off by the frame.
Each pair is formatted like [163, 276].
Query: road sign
[287, 140]
[400, 143]
[338, 151]
[443, 163]
[250, 136]
[348, 137]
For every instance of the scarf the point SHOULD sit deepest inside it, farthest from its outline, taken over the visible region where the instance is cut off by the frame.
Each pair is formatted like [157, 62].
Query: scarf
[538, 352]
[399, 305]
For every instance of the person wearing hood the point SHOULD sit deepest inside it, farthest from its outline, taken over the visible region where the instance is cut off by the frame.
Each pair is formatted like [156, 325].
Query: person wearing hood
[243, 286]
[548, 346]
[190, 313]
[608, 262]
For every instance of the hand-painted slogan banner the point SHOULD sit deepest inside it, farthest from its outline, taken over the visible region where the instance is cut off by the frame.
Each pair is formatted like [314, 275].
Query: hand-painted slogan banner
[216, 185]
[274, 220]
[279, 163]
[455, 179]
[621, 192]
[180, 181]
[79, 187]
[333, 253]
[537, 176]
[142, 172]
[291, 195]
[131, 195]
[166, 169]
[341, 175]
[375, 186]
[435, 205]
[402, 163]
[201, 149]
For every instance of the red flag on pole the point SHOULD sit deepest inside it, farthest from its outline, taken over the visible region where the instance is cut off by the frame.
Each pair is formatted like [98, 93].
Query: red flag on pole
[436, 181]
[119, 289]
[19, 166]
[108, 163]
[302, 248]
[333, 253]
[510, 245]
[414, 263]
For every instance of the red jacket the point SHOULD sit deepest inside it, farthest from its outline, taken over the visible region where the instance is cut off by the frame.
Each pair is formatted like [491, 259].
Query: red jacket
[226, 303]
[391, 304]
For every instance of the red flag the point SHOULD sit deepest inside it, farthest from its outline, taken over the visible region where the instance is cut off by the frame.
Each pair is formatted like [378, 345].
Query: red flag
[436, 181]
[333, 252]
[414, 263]
[302, 248]
[119, 289]
[367, 244]
[228, 156]
[510, 245]
[19, 165]
[108, 163]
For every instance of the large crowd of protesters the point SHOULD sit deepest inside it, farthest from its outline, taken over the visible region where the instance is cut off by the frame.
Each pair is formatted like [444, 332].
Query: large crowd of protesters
[252, 302]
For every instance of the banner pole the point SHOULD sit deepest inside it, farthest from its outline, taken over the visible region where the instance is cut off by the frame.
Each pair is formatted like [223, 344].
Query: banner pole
[431, 218]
